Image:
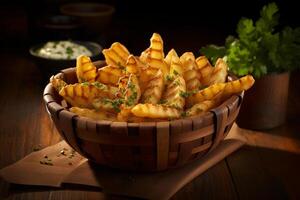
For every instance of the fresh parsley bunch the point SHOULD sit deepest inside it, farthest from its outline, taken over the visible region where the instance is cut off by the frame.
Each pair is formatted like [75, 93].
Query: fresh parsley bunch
[259, 48]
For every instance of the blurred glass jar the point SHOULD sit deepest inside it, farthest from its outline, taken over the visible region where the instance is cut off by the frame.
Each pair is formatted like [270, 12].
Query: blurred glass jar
[95, 17]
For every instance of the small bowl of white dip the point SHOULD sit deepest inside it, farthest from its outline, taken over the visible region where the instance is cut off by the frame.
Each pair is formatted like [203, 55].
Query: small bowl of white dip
[53, 56]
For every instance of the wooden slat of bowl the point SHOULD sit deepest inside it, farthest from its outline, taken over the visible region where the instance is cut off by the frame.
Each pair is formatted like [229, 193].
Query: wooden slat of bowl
[220, 117]
[48, 98]
[148, 153]
[175, 129]
[162, 144]
[185, 146]
[67, 125]
[133, 130]
[69, 75]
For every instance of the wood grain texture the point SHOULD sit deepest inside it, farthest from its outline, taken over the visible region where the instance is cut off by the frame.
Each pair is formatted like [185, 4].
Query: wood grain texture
[265, 103]
[162, 143]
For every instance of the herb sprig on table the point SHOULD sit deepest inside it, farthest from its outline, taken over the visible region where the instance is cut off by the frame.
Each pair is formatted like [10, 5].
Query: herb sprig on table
[258, 48]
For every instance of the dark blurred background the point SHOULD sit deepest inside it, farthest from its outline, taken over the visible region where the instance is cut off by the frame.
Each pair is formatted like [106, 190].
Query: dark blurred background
[184, 25]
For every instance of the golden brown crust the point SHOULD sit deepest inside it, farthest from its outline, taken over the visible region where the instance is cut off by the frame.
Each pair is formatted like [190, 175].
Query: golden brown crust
[155, 111]
[85, 70]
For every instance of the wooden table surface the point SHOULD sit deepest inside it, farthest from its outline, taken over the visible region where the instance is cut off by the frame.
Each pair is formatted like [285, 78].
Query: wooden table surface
[267, 168]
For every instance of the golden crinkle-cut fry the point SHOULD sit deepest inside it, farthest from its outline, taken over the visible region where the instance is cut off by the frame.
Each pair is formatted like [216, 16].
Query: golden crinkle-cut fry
[145, 55]
[154, 89]
[176, 67]
[201, 108]
[116, 55]
[134, 65]
[110, 75]
[129, 89]
[208, 93]
[85, 70]
[146, 75]
[172, 53]
[190, 74]
[204, 69]
[125, 115]
[141, 70]
[237, 86]
[155, 111]
[219, 73]
[83, 94]
[173, 94]
[57, 83]
[105, 104]
[156, 54]
[93, 114]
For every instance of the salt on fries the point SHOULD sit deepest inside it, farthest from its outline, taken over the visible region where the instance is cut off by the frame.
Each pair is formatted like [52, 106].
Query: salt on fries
[149, 87]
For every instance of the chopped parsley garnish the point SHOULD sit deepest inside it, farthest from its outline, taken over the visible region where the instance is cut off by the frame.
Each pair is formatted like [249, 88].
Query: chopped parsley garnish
[115, 103]
[174, 105]
[183, 114]
[85, 84]
[162, 101]
[187, 94]
[99, 85]
[175, 72]
[69, 51]
[169, 78]
[131, 99]
[121, 66]
[202, 87]
[122, 91]
[131, 85]
[176, 82]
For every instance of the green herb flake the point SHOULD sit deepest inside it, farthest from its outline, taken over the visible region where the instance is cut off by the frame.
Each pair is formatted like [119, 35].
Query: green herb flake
[162, 101]
[114, 102]
[174, 105]
[99, 85]
[85, 84]
[69, 51]
[175, 72]
[121, 66]
[184, 114]
[187, 94]
[131, 86]
[202, 87]
[131, 99]
[177, 83]
[169, 77]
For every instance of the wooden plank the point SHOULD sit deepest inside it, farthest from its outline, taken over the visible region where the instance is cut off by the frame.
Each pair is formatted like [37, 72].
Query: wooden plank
[148, 153]
[185, 148]
[251, 178]
[162, 142]
[214, 184]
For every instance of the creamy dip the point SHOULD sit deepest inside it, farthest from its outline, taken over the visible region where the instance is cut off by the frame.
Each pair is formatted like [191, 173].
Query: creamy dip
[63, 50]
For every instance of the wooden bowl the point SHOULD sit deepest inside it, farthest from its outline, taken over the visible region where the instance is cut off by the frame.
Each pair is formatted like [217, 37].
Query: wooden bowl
[146, 146]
